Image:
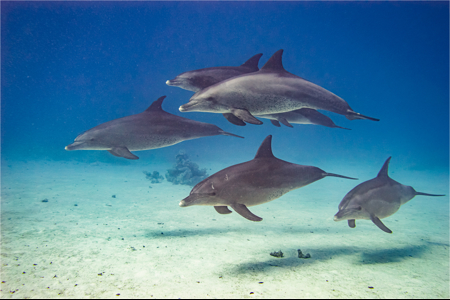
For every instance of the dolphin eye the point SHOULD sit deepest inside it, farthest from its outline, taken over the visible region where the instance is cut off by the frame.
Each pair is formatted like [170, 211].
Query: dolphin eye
[209, 99]
[359, 208]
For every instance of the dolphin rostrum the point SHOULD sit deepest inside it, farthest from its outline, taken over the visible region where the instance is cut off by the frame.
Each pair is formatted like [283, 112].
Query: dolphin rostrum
[199, 79]
[268, 91]
[375, 199]
[300, 116]
[260, 180]
[151, 129]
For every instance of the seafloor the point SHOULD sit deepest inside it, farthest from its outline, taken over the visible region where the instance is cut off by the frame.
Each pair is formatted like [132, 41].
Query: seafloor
[85, 243]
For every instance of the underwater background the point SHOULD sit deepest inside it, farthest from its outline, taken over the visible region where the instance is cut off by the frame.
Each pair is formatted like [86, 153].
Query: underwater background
[69, 66]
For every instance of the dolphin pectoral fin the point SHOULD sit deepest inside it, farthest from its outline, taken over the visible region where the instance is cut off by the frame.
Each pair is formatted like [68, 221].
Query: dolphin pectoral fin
[223, 210]
[245, 116]
[351, 223]
[380, 224]
[243, 211]
[275, 122]
[234, 120]
[285, 122]
[122, 152]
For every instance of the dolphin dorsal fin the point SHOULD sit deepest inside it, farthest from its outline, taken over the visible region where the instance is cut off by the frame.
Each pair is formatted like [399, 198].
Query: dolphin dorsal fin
[384, 170]
[252, 62]
[156, 106]
[265, 150]
[275, 63]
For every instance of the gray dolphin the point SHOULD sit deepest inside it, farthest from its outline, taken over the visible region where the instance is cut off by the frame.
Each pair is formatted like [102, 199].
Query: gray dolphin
[199, 79]
[375, 199]
[270, 90]
[151, 129]
[300, 116]
[263, 179]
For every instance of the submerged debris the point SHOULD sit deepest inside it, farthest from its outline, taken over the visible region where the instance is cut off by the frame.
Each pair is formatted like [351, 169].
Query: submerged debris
[153, 177]
[277, 253]
[185, 171]
[300, 254]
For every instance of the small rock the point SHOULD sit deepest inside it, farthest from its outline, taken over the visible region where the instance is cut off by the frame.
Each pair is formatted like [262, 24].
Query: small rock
[277, 253]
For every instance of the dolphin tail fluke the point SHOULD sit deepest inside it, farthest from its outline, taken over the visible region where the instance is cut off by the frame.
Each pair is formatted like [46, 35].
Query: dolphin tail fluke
[426, 194]
[340, 176]
[351, 115]
[230, 134]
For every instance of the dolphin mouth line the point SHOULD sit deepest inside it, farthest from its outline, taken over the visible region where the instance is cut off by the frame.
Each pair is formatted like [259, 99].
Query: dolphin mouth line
[172, 82]
[187, 107]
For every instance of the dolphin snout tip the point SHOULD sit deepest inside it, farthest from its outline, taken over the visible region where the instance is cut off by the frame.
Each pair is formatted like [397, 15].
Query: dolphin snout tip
[335, 218]
[182, 203]
[181, 108]
[168, 82]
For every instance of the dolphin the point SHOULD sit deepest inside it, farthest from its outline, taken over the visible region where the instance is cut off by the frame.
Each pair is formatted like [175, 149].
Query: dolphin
[151, 129]
[376, 199]
[260, 180]
[199, 79]
[268, 91]
[300, 116]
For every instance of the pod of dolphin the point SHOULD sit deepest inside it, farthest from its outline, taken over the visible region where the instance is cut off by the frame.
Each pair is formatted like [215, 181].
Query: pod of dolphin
[241, 94]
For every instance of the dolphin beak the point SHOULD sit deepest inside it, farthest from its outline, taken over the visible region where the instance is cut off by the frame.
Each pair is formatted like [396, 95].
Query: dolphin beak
[190, 106]
[168, 82]
[74, 146]
[336, 218]
[182, 203]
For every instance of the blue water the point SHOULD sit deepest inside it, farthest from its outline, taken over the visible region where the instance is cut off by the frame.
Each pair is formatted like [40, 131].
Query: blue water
[69, 66]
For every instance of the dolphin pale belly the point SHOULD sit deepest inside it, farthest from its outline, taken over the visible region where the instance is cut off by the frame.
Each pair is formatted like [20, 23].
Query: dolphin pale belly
[375, 199]
[197, 80]
[300, 116]
[270, 90]
[151, 129]
[263, 179]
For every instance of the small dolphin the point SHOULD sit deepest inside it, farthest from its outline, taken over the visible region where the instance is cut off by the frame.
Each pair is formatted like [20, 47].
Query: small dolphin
[263, 179]
[268, 91]
[300, 116]
[199, 79]
[151, 129]
[375, 199]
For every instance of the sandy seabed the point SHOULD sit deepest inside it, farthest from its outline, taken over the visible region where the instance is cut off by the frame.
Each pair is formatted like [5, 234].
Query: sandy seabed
[85, 243]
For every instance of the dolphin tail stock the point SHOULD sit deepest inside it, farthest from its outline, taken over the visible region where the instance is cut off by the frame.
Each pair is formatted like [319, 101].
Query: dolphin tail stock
[230, 134]
[337, 175]
[352, 115]
[426, 194]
